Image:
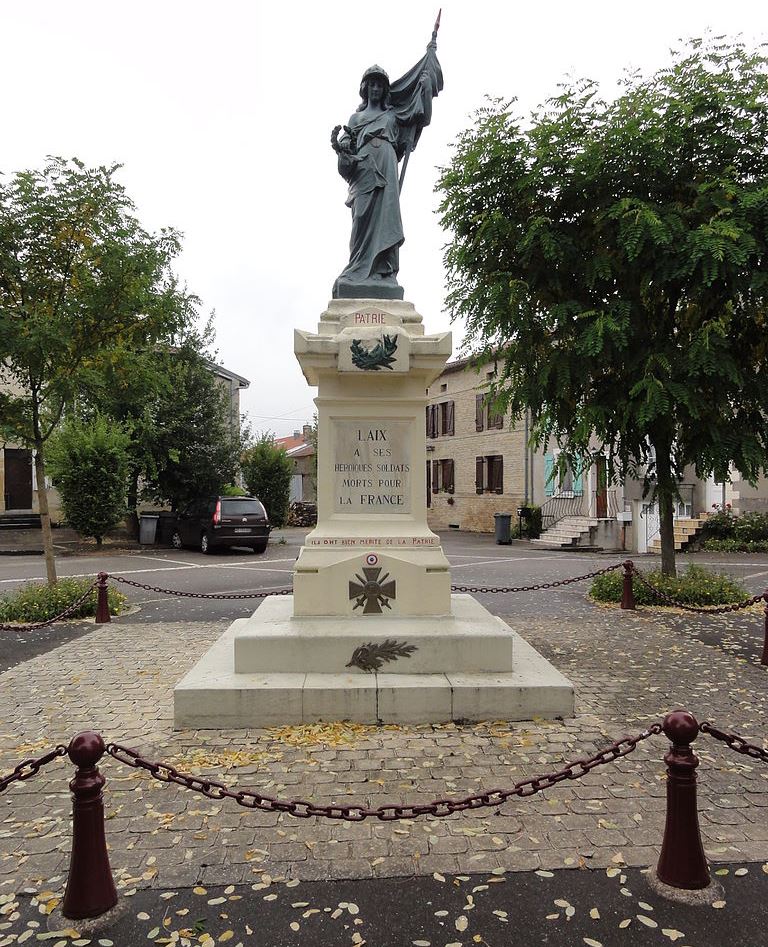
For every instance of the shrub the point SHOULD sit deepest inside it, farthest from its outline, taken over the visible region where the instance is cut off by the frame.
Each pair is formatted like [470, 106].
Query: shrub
[267, 471]
[695, 586]
[734, 545]
[751, 527]
[88, 461]
[718, 525]
[40, 601]
[530, 517]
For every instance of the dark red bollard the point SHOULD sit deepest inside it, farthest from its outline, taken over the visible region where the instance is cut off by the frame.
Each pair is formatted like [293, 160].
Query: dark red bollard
[102, 600]
[628, 591]
[90, 886]
[682, 863]
[764, 659]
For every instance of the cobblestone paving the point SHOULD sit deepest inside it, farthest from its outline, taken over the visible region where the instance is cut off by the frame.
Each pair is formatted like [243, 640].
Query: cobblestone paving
[629, 669]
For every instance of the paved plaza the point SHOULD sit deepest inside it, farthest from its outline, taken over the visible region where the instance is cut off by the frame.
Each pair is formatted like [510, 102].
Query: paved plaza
[628, 669]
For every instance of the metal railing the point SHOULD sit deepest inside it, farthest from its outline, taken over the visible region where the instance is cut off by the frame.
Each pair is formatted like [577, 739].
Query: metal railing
[558, 507]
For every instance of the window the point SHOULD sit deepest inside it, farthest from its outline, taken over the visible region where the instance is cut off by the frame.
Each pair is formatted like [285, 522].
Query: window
[440, 419]
[489, 474]
[569, 483]
[443, 388]
[446, 417]
[485, 416]
[446, 475]
[442, 476]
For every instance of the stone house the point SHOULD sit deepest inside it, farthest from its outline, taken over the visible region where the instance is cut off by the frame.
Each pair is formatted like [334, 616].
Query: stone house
[479, 464]
[301, 450]
[18, 482]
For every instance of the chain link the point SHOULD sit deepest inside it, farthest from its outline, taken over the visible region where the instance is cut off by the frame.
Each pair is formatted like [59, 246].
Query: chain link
[26, 769]
[735, 742]
[212, 595]
[541, 585]
[439, 808]
[44, 624]
[702, 610]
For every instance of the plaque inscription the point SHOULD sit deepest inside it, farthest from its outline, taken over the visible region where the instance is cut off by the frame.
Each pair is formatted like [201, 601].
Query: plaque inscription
[372, 466]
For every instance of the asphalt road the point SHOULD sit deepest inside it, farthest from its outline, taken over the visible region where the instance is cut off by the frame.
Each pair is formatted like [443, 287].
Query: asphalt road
[568, 907]
[475, 561]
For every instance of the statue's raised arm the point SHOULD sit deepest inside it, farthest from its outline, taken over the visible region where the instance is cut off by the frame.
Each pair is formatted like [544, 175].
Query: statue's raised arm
[384, 130]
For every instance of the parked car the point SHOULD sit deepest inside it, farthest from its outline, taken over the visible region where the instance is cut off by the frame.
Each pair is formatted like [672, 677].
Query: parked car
[213, 522]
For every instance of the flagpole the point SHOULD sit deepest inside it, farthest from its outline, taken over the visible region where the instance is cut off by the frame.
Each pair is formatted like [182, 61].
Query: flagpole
[409, 146]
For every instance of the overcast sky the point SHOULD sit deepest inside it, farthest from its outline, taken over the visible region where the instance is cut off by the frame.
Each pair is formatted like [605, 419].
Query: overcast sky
[221, 115]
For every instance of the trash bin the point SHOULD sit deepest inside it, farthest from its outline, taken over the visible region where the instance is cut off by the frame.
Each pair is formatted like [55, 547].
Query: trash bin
[503, 528]
[148, 528]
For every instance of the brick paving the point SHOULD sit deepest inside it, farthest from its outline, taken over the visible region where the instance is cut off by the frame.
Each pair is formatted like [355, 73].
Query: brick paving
[628, 668]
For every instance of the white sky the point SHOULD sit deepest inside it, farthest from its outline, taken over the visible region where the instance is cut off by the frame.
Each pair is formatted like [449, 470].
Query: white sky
[221, 114]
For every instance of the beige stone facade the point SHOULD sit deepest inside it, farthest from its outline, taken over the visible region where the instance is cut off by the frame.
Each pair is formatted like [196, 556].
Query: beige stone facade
[492, 471]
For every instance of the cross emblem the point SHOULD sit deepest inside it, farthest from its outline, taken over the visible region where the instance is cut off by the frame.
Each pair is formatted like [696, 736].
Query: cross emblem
[371, 591]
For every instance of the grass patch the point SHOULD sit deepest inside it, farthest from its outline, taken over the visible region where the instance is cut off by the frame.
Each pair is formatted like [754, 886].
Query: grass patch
[40, 601]
[695, 586]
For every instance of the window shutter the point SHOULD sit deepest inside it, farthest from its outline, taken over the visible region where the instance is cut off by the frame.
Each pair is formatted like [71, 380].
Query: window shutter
[449, 419]
[549, 467]
[495, 420]
[479, 480]
[427, 416]
[435, 476]
[448, 476]
[577, 481]
[479, 412]
[429, 487]
[498, 475]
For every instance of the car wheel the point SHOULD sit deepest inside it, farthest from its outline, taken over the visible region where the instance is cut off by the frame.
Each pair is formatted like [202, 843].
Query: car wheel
[260, 547]
[176, 540]
[205, 546]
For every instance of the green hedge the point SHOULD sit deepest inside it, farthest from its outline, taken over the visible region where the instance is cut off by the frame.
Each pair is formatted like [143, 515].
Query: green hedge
[734, 545]
[695, 586]
[40, 601]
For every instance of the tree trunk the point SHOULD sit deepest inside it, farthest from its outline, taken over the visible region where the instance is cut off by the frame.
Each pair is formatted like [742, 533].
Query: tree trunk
[666, 495]
[45, 515]
[132, 502]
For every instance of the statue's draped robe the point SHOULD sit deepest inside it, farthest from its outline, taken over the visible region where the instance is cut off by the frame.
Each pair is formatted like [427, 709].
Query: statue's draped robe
[374, 193]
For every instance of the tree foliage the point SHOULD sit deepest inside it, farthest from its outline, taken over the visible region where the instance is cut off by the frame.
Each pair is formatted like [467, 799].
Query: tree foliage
[614, 256]
[267, 471]
[81, 284]
[88, 461]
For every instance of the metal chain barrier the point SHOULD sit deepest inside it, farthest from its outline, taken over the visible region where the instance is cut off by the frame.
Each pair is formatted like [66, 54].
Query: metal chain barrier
[44, 624]
[212, 595]
[735, 742]
[26, 769]
[700, 609]
[302, 809]
[541, 585]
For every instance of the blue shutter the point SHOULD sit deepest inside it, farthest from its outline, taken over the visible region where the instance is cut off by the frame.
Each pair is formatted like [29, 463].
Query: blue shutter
[578, 488]
[549, 484]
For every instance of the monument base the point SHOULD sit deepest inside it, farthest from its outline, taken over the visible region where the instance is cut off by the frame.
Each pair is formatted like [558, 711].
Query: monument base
[273, 669]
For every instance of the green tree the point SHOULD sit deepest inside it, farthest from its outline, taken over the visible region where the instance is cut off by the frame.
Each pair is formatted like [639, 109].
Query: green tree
[88, 461]
[186, 442]
[614, 255]
[267, 471]
[81, 284]
[183, 441]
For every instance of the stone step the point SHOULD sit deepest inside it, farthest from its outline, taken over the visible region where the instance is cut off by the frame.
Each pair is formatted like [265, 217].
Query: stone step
[212, 695]
[273, 641]
[20, 521]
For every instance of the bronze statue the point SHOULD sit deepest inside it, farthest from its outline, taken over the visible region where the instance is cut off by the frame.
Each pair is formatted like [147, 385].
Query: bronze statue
[383, 131]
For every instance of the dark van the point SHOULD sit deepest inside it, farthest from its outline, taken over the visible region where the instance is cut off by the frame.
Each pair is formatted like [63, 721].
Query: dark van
[222, 521]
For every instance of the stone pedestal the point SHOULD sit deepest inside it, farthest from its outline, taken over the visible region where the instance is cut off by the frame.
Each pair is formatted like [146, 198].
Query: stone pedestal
[371, 632]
